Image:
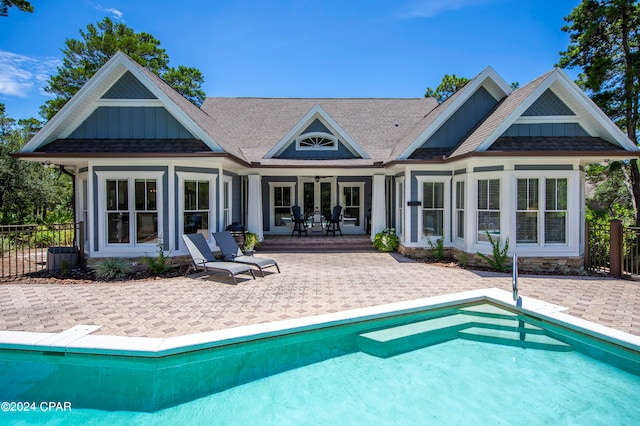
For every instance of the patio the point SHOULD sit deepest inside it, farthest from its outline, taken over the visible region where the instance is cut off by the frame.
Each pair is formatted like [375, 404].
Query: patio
[310, 284]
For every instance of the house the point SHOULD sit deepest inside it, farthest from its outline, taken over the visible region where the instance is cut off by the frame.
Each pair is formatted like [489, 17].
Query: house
[150, 166]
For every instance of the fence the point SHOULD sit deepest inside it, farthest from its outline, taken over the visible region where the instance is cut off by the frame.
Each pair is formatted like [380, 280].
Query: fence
[30, 249]
[613, 249]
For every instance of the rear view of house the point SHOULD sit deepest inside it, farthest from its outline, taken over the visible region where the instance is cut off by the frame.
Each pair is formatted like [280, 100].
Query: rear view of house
[489, 161]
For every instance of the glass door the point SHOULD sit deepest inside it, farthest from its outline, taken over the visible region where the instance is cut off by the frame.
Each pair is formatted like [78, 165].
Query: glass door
[352, 202]
[317, 199]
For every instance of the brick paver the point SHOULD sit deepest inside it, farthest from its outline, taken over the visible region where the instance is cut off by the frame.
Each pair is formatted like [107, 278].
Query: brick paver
[310, 284]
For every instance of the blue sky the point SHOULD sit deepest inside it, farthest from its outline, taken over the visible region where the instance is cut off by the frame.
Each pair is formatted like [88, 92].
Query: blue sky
[298, 48]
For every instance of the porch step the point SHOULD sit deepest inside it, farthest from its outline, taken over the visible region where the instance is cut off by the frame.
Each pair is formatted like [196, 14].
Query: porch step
[480, 324]
[316, 243]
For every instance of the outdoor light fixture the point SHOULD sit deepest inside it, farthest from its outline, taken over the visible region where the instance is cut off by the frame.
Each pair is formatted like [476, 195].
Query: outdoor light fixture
[48, 165]
[317, 179]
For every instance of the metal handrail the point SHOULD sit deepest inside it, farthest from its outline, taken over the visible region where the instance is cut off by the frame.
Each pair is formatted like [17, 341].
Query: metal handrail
[514, 281]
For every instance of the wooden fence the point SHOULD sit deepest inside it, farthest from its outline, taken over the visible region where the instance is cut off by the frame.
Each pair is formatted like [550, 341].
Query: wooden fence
[613, 249]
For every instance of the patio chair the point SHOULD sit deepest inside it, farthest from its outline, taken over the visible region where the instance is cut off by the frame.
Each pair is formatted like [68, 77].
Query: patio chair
[299, 221]
[333, 224]
[231, 252]
[202, 258]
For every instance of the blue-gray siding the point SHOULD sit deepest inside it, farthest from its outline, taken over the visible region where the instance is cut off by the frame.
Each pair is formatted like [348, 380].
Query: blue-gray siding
[131, 123]
[462, 121]
[548, 104]
[546, 129]
[128, 87]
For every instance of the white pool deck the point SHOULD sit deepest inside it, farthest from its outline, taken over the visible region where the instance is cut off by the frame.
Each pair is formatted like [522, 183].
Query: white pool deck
[160, 317]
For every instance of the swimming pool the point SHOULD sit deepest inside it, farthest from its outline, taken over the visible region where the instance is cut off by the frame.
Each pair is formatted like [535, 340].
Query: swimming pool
[469, 360]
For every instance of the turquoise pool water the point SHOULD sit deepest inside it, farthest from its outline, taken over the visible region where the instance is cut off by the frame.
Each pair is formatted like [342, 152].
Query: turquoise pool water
[433, 379]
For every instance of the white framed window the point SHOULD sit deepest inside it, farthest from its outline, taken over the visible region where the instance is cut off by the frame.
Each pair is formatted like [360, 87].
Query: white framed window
[352, 202]
[317, 141]
[196, 195]
[460, 215]
[227, 202]
[400, 200]
[432, 209]
[433, 194]
[129, 202]
[555, 214]
[282, 198]
[527, 210]
[84, 208]
[488, 209]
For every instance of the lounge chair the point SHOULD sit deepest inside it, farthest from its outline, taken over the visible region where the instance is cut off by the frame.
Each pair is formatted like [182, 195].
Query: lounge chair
[231, 251]
[202, 258]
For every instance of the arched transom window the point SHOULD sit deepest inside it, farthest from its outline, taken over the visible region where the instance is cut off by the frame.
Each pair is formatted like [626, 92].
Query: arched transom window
[317, 141]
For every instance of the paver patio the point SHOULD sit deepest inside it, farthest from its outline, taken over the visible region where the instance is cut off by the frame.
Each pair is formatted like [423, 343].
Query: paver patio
[310, 284]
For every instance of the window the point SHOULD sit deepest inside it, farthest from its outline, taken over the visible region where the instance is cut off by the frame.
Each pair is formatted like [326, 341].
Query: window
[400, 201]
[316, 141]
[226, 202]
[282, 202]
[460, 209]
[555, 215]
[196, 206]
[488, 209]
[351, 204]
[433, 209]
[130, 208]
[527, 211]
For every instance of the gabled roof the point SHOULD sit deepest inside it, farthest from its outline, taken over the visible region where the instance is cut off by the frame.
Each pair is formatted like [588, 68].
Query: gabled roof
[513, 107]
[317, 113]
[259, 125]
[488, 79]
[88, 99]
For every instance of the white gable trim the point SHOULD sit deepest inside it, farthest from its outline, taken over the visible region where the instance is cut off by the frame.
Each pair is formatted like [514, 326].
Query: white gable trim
[88, 98]
[489, 79]
[615, 135]
[317, 112]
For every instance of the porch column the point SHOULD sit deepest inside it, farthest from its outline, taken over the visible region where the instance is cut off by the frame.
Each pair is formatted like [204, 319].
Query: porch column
[254, 206]
[378, 203]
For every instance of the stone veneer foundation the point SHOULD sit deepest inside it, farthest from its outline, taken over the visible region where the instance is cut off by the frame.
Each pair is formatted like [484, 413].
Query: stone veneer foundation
[525, 264]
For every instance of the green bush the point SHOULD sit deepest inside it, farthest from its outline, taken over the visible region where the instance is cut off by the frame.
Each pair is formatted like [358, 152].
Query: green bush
[386, 240]
[437, 249]
[250, 241]
[158, 265]
[112, 269]
[499, 260]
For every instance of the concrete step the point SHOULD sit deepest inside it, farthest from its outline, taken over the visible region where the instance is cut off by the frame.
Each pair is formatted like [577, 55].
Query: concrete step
[316, 243]
[520, 338]
[503, 327]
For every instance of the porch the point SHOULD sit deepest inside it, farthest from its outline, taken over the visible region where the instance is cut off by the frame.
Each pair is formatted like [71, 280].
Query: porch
[316, 243]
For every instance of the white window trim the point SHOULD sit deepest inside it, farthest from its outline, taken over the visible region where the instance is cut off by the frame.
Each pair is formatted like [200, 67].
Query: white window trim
[361, 185]
[570, 224]
[446, 214]
[316, 148]
[226, 180]
[103, 176]
[472, 210]
[401, 207]
[212, 179]
[272, 211]
[454, 209]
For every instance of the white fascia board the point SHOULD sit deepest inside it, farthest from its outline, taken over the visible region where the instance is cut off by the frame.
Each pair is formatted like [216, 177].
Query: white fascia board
[62, 117]
[493, 83]
[317, 112]
[517, 113]
[616, 133]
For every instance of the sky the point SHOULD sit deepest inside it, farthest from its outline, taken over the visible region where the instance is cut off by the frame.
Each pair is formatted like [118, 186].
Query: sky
[298, 48]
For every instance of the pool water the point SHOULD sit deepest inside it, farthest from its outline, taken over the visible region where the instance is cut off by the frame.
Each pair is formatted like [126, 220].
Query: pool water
[450, 381]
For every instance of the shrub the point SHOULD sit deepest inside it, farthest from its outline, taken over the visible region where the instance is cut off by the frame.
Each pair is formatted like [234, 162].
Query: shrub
[158, 265]
[250, 241]
[386, 240]
[112, 269]
[437, 249]
[499, 260]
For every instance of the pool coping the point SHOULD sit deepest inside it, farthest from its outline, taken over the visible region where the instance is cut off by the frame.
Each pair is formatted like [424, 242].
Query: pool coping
[80, 340]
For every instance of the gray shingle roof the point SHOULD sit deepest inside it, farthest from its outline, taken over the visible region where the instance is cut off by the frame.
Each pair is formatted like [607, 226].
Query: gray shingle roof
[257, 124]
[552, 144]
[125, 145]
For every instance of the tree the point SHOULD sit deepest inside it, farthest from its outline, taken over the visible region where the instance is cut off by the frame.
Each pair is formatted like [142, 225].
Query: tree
[449, 85]
[28, 192]
[84, 57]
[22, 5]
[604, 43]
